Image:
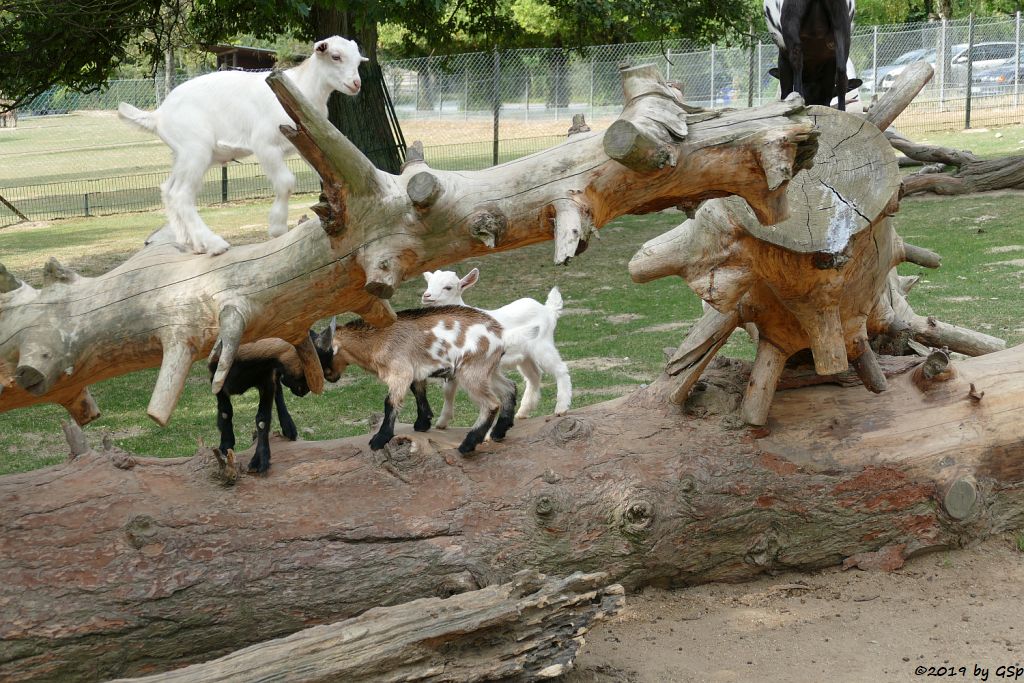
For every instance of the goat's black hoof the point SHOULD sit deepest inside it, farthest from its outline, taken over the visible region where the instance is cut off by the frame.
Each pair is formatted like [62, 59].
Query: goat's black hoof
[259, 465]
[290, 432]
[466, 449]
[379, 441]
[422, 425]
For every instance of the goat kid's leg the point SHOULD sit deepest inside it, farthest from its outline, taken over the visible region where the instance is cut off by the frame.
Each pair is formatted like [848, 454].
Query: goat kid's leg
[531, 394]
[483, 395]
[842, 80]
[550, 361]
[224, 424]
[392, 406]
[180, 192]
[288, 428]
[283, 181]
[260, 462]
[506, 390]
[423, 412]
[448, 411]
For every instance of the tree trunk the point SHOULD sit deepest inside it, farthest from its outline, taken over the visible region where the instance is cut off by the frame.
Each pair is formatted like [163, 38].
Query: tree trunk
[165, 307]
[529, 629]
[121, 565]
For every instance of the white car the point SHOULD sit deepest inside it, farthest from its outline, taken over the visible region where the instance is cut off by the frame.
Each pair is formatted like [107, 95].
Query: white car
[983, 55]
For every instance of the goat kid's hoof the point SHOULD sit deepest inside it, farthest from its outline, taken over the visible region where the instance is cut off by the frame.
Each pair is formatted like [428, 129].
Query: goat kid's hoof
[378, 442]
[421, 426]
[258, 466]
[290, 432]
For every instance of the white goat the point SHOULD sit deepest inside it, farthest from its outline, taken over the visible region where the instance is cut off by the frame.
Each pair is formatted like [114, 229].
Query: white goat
[529, 356]
[227, 115]
[457, 342]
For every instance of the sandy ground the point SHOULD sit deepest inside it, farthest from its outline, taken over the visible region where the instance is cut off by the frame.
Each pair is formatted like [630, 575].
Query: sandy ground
[953, 609]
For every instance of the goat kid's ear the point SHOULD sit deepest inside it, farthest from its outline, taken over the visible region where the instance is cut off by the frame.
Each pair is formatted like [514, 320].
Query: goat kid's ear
[426, 276]
[321, 47]
[774, 72]
[470, 279]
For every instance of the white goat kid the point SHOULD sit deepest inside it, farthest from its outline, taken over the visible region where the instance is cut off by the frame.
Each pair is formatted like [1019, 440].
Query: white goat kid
[529, 356]
[228, 115]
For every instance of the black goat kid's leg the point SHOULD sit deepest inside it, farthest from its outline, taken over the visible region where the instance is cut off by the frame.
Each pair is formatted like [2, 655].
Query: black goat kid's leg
[423, 412]
[288, 429]
[260, 462]
[387, 427]
[227, 429]
[506, 415]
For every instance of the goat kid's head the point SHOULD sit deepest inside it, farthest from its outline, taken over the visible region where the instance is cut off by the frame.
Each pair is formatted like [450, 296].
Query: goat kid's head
[338, 61]
[324, 345]
[444, 287]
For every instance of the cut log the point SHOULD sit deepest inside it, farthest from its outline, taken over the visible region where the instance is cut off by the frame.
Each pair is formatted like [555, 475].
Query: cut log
[529, 629]
[118, 572]
[165, 308]
[819, 280]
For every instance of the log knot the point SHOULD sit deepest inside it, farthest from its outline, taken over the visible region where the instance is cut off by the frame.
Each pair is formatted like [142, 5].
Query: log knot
[488, 226]
[570, 429]
[638, 516]
[141, 530]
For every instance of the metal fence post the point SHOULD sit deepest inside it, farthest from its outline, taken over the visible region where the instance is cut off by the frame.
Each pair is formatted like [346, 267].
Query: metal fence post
[942, 58]
[86, 197]
[527, 115]
[874, 60]
[712, 75]
[223, 183]
[760, 80]
[668, 64]
[750, 71]
[496, 100]
[465, 93]
[591, 87]
[1016, 69]
[970, 70]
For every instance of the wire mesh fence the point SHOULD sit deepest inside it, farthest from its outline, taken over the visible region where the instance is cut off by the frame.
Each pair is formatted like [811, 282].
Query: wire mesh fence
[69, 155]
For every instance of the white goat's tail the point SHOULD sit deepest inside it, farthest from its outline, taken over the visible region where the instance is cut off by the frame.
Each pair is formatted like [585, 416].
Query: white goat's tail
[520, 335]
[554, 301]
[143, 119]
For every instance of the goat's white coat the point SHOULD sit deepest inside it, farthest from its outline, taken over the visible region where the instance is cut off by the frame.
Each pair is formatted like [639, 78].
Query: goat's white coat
[228, 115]
[530, 352]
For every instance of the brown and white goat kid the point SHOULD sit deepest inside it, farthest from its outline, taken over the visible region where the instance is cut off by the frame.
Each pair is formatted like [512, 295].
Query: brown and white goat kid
[447, 341]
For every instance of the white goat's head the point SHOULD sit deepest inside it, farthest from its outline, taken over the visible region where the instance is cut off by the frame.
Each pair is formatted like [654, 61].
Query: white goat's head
[444, 288]
[338, 60]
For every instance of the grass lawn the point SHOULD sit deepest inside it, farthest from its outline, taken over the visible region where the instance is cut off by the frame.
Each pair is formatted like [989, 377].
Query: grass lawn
[612, 332]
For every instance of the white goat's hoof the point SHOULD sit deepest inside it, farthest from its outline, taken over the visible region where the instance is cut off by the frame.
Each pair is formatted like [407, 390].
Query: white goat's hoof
[522, 414]
[211, 244]
[441, 425]
[560, 413]
[278, 230]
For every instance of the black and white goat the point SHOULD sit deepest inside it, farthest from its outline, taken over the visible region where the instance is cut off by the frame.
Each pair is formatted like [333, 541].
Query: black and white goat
[267, 365]
[454, 342]
[813, 37]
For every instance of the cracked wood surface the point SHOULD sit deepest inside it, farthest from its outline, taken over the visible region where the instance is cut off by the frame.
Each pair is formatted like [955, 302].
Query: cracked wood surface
[118, 566]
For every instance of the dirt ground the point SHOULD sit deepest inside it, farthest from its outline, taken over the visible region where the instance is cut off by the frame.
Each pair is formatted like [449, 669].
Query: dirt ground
[962, 608]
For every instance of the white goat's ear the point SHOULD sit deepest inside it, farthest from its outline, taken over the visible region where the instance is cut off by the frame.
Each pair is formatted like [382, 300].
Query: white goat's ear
[321, 46]
[426, 276]
[470, 279]
[333, 327]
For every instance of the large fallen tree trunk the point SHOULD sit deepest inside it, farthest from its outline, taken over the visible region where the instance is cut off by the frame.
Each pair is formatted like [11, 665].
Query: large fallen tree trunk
[168, 308]
[120, 565]
[529, 629]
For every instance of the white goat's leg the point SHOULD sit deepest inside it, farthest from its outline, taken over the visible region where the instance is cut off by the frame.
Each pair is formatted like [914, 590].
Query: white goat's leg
[531, 392]
[448, 411]
[180, 193]
[283, 181]
[550, 361]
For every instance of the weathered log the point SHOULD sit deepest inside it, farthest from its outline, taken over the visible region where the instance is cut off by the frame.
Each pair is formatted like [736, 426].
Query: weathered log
[819, 280]
[970, 174]
[166, 307]
[529, 629]
[111, 571]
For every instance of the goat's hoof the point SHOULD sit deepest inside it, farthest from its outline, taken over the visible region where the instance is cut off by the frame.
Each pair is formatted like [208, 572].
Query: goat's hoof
[259, 465]
[466, 449]
[441, 426]
[421, 426]
[277, 230]
[378, 442]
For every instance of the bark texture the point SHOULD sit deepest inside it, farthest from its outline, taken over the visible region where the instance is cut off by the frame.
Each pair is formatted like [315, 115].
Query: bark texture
[529, 629]
[116, 564]
[166, 307]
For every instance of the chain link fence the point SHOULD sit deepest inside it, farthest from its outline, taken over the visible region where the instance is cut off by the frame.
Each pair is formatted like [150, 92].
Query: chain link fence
[69, 155]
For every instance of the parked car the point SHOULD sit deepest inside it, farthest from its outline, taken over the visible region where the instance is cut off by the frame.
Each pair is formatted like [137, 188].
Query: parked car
[999, 79]
[983, 56]
[873, 78]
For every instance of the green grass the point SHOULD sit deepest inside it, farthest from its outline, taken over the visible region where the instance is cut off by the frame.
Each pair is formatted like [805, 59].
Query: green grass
[612, 334]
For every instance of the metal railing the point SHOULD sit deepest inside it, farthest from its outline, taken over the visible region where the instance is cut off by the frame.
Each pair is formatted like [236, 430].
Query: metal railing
[69, 154]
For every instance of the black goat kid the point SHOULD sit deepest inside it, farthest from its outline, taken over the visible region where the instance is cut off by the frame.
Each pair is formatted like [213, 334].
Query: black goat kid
[267, 365]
